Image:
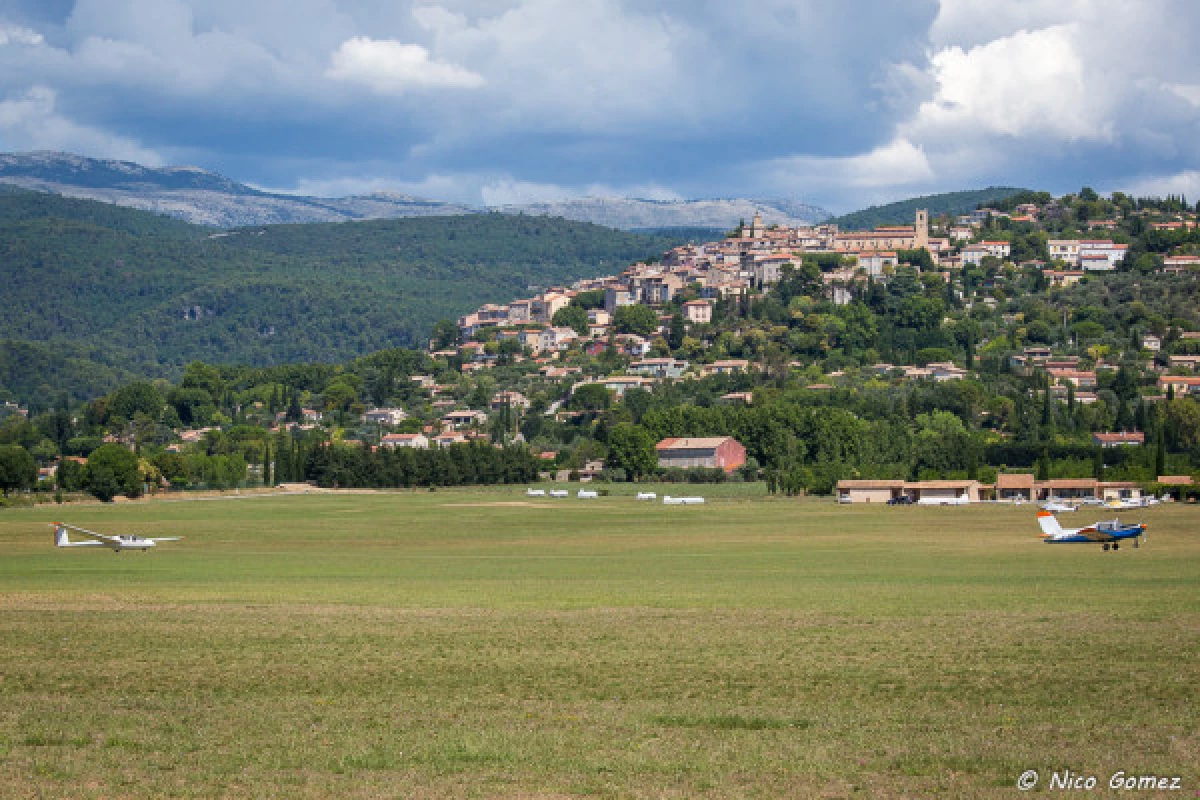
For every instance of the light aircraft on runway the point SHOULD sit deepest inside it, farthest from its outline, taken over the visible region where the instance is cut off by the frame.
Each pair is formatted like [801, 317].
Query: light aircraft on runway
[1107, 532]
[1056, 507]
[116, 543]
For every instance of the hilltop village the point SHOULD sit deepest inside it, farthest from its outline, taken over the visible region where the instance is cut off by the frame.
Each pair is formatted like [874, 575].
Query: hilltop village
[1054, 339]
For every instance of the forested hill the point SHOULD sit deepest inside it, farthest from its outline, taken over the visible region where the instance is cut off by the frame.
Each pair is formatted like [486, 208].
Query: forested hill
[901, 213]
[139, 293]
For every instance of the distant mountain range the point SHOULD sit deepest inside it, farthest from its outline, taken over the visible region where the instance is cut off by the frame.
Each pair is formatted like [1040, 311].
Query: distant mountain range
[199, 196]
[634, 214]
[207, 198]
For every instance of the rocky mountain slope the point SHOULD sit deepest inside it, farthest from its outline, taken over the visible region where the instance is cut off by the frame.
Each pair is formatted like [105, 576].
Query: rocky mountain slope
[206, 198]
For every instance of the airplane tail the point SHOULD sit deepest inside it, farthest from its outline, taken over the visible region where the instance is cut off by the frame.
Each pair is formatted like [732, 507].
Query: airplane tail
[1049, 524]
[60, 536]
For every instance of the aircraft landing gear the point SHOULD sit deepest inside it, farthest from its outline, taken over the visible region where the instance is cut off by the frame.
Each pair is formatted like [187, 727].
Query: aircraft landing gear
[1106, 547]
[1116, 545]
[1136, 544]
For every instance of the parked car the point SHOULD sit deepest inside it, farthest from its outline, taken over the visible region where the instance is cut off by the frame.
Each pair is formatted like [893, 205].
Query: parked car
[901, 500]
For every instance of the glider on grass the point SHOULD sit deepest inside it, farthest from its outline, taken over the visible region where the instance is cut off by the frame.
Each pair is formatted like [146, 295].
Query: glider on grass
[116, 543]
[1110, 533]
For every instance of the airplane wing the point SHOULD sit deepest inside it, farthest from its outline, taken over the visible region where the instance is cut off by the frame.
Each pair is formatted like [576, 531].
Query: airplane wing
[166, 539]
[111, 540]
[1094, 535]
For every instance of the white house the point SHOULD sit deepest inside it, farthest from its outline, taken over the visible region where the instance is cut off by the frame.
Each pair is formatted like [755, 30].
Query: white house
[556, 338]
[385, 416]
[1064, 250]
[1101, 254]
[659, 367]
[461, 419]
[417, 441]
[874, 261]
[697, 311]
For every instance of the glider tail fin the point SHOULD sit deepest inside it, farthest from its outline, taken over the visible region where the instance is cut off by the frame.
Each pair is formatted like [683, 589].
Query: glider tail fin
[60, 536]
[1049, 524]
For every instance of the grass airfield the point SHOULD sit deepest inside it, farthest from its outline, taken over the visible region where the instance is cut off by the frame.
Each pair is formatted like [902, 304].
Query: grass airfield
[482, 643]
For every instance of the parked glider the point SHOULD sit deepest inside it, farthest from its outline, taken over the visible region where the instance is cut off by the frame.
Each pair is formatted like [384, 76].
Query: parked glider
[1110, 533]
[116, 543]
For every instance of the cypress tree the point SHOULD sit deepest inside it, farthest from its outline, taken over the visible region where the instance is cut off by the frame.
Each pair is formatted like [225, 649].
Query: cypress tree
[1160, 453]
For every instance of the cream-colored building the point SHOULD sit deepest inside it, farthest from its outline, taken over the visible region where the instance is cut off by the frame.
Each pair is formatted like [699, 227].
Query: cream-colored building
[698, 312]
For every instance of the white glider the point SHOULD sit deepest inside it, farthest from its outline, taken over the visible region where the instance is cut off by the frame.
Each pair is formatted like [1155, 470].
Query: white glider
[115, 543]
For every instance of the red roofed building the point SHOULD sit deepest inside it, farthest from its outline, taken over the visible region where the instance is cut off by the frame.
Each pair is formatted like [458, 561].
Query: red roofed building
[1118, 439]
[723, 452]
[1181, 384]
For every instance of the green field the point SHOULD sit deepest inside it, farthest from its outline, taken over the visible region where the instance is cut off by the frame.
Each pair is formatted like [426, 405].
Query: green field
[479, 643]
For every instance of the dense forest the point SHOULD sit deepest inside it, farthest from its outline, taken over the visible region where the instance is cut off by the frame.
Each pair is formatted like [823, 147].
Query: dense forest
[130, 292]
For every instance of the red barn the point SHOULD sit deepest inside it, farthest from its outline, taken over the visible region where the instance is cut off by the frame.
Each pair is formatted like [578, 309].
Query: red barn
[724, 452]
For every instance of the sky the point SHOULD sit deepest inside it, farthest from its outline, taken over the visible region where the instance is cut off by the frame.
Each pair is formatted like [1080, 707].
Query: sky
[838, 103]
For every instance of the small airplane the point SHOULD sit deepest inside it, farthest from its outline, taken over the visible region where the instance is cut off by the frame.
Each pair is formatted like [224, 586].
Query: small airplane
[117, 543]
[1124, 504]
[1056, 507]
[1107, 532]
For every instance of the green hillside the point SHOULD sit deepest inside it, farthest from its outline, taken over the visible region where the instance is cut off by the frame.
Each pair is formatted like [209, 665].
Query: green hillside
[146, 294]
[901, 213]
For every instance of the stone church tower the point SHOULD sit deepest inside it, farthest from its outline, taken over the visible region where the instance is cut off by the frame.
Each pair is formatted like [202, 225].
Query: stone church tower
[921, 234]
[756, 227]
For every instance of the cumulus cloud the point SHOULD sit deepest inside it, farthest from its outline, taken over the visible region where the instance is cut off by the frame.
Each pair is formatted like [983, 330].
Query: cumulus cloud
[1050, 94]
[30, 121]
[389, 66]
[16, 35]
[1029, 83]
[1186, 182]
[896, 164]
[542, 99]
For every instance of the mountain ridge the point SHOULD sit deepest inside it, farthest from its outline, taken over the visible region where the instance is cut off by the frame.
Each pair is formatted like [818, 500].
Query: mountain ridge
[208, 198]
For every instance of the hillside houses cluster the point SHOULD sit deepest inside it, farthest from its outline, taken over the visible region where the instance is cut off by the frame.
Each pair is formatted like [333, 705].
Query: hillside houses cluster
[754, 259]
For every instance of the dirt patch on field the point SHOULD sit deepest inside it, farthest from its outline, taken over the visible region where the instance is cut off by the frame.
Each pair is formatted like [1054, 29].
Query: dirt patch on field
[495, 504]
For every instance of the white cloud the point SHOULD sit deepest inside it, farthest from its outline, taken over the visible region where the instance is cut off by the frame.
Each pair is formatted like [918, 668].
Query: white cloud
[30, 121]
[897, 163]
[388, 66]
[1029, 83]
[14, 34]
[587, 64]
[1186, 182]
[1188, 91]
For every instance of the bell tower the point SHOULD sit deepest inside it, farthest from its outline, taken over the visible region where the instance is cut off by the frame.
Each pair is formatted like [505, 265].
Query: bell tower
[921, 233]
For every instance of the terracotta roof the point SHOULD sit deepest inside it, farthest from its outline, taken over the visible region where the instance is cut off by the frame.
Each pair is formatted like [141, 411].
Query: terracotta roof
[1070, 483]
[1137, 436]
[1017, 480]
[870, 484]
[690, 443]
[940, 484]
